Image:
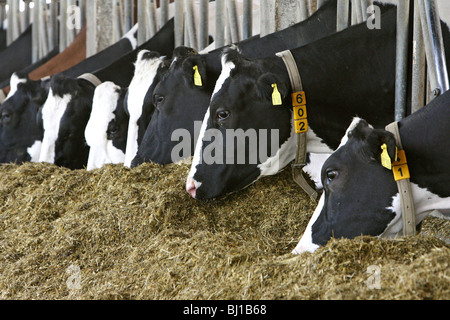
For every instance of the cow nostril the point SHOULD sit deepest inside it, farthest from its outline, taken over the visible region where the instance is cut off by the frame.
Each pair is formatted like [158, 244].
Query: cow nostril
[190, 188]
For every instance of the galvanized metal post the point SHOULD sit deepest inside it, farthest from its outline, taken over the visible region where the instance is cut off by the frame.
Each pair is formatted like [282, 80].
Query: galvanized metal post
[53, 25]
[302, 10]
[164, 12]
[418, 66]
[26, 13]
[151, 18]
[62, 25]
[232, 20]
[434, 47]
[342, 14]
[401, 70]
[35, 32]
[141, 21]
[203, 27]
[356, 11]
[116, 30]
[128, 12]
[220, 23]
[190, 24]
[179, 23]
[43, 31]
[247, 19]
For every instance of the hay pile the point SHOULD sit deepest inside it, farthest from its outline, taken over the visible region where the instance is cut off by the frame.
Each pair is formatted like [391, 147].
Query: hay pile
[119, 233]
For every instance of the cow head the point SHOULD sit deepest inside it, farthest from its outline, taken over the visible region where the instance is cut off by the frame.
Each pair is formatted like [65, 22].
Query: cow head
[149, 68]
[178, 102]
[243, 135]
[65, 115]
[106, 131]
[21, 132]
[359, 192]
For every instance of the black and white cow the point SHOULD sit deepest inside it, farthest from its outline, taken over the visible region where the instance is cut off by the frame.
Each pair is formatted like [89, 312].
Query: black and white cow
[20, 130]
[64, 141]
[179, 102]
[346, 74]
[106, 130]
[361, 196]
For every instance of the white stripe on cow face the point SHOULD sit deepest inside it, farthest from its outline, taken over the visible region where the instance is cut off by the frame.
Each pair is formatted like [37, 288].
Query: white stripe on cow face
[131, 36]
[101, 149]
[145, 73]
[227, 67]
[13, 84]
[52, 112]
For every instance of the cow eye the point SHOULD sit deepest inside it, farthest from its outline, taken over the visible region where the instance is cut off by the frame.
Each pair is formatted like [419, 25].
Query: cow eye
[5, 116]
[223, 115]
[157, 99]
[332, 174]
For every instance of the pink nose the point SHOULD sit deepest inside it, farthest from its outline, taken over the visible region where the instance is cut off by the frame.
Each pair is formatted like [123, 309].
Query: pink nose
[190, 188]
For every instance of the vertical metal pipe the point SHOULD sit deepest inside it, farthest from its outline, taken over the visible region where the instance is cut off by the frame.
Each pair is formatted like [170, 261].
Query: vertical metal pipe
[247, 19]
[357, 11]
[418, 67]
[302, 6]
[164, 12]
[53, 25]
[26, 13]
[43, 32]
[204, 25]
[220, 23]
[179, 23]
[142, 33]
[364, 5]
[320, 3]
[82, 5]
[342, 14]
[151, 18]
[401, 69]
[71, 14]
[190, 23]
[62, 25]
[128, 12]
[232, 20]
[116, 34]
[437, 58]
[35, 32]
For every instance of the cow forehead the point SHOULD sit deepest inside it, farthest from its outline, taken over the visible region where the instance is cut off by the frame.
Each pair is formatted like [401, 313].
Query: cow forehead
[14, 83]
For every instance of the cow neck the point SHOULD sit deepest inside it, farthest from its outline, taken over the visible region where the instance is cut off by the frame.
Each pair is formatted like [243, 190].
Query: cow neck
[300, 158]
[404, 189]
[91, 78]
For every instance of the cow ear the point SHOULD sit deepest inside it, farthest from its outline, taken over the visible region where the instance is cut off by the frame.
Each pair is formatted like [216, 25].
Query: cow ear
[194, 69]
[380, 144]
[271, 87]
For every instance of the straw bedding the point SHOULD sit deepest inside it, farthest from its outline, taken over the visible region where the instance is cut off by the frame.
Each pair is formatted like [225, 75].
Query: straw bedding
[119, 233]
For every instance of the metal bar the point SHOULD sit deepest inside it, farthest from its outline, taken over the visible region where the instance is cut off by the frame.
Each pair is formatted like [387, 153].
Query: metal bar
[53, 25]
[342, 14]
[190, 24]
[164, 12]
[320, 3]
[220, 23]
[401, 69]
[35, 33]
[43, 31]
[72, 14]
[247, 19]
[302, 7]
[418, 67]
[357, 11]
[364, 5]
[434, 46]
[62, 25]
[128, 12]
[82, 5]
[179, 23]
[232, 20]
[204, 24]
[151, 18]
[116, 34]
[142, 35]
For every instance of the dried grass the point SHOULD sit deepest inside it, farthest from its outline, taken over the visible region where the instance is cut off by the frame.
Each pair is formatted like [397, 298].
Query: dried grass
[136, 234]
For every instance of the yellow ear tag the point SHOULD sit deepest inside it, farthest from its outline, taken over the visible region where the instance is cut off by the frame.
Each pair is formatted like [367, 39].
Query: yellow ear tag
[276, 96]
[385, 159]
[197, 77]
